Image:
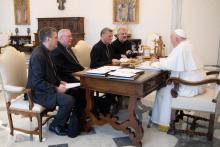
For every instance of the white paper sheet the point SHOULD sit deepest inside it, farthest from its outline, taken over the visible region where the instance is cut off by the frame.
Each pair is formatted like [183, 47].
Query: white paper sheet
[102, 70]
[147, 66]
[72, 85]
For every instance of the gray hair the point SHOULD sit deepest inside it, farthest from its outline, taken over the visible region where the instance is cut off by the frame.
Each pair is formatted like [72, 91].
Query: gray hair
[105, 30]
[61, 32]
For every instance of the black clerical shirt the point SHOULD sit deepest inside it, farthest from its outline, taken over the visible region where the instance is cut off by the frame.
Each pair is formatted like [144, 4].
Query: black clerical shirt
[66, 63]
[120, 48]
[101, 54]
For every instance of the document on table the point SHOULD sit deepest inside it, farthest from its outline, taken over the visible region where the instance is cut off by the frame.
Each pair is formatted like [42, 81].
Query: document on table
[72, 85]
[102, 71]
[147, 66]
[125, 74]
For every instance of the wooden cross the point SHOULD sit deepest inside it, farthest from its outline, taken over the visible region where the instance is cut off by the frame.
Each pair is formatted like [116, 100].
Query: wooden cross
[61, 4]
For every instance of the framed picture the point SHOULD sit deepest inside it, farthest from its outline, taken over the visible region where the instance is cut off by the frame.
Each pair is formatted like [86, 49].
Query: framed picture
[125, 11]
[22, 12]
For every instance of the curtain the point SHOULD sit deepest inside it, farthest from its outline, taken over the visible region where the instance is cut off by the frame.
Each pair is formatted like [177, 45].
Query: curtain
[176, 14]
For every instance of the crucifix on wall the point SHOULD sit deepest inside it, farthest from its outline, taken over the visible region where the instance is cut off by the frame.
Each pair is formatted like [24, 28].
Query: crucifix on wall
[61, 4]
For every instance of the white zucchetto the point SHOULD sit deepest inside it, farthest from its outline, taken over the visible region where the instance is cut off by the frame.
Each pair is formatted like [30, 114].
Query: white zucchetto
[180, 33]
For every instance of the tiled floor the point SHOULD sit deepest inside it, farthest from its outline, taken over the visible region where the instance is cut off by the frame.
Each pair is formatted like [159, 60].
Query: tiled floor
[101, 136]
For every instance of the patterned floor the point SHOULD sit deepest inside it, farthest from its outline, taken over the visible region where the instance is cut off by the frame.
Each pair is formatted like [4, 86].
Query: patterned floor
[101, 136]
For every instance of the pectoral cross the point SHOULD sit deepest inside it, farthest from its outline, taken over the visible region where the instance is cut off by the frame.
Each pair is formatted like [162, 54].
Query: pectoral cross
[61, 4]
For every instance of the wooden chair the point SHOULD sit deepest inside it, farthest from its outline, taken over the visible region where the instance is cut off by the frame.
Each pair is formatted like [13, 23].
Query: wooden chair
[14, 78]
[203, 103]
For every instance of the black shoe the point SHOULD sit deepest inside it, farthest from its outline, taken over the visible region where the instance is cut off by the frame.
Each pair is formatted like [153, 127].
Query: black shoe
[58, 130]
[65, 128]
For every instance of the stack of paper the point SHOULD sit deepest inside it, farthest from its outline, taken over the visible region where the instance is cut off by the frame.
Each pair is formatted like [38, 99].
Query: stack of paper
[102, 71]
[125, 73]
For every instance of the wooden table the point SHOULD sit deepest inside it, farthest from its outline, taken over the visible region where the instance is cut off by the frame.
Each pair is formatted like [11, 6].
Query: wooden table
[139, 88]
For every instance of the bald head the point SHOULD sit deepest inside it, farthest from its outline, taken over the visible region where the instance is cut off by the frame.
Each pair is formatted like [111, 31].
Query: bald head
[122, 34]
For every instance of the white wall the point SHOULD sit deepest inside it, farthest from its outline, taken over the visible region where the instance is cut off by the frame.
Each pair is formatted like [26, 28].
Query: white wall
[97, 13]
[200, 20]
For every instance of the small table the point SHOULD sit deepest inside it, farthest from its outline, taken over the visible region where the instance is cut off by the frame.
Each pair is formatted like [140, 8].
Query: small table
[143, 85]
[19, 41]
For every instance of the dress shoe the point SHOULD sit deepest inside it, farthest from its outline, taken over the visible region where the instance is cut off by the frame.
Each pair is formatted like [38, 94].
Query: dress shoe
[58, 130]
[163, 128]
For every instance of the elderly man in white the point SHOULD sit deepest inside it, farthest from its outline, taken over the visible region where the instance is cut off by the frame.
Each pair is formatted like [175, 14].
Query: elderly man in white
[183, 63]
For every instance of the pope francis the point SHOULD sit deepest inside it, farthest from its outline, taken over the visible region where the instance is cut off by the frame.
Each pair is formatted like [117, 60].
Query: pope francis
[183, 63]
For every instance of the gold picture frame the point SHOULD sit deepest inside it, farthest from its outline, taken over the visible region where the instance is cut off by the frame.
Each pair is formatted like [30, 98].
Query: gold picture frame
[22, 12]
[125, 11]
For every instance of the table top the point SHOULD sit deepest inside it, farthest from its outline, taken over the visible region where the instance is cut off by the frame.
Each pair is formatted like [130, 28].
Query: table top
[142, 77]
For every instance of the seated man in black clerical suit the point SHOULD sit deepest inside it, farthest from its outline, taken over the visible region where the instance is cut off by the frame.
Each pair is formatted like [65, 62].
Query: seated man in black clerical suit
[66, 64]
[64, 58]
[102, 54]
[121, 46]
[47, 89]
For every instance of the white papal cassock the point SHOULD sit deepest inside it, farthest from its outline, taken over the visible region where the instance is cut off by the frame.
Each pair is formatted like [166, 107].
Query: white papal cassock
[183, 63]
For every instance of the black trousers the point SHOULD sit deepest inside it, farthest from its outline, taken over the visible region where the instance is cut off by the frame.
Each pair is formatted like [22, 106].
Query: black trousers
[103, 105]
[66, 104]
[80, 96]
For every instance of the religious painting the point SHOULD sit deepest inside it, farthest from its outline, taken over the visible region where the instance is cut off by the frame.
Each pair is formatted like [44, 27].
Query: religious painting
[125, 11]
[22, 12]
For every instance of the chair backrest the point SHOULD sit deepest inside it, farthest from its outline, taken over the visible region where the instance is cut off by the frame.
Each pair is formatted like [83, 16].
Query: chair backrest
[82, 51]
[13, 67]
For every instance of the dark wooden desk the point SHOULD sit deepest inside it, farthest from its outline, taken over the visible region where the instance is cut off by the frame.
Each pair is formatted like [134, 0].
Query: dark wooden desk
[19, 41]
[143, 85]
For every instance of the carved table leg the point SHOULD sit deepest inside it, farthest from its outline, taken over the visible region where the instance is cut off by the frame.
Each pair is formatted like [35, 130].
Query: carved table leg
[89, 102]
[91, 118]
[89, 109]
[135, 124]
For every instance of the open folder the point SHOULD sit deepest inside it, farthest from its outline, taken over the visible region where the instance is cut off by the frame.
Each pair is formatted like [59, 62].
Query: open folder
[125, 74]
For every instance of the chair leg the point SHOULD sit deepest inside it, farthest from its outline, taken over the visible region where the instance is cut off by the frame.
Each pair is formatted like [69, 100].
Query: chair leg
[30, 118]
[39, 120]
[211, 126]
[172, 129]
[10, 123]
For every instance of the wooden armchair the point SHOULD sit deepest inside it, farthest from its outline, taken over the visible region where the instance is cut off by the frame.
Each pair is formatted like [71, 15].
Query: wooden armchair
[205, 103]
[13, 73]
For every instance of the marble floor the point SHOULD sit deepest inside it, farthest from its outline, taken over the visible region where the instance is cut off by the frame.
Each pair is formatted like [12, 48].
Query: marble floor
[101, 136]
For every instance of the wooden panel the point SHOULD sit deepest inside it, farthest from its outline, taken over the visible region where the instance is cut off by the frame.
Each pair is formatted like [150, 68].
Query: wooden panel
[56, 23]
[75, 24]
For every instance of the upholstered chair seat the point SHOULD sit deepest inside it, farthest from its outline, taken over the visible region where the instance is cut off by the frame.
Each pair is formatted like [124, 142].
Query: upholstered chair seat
[203, 102]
